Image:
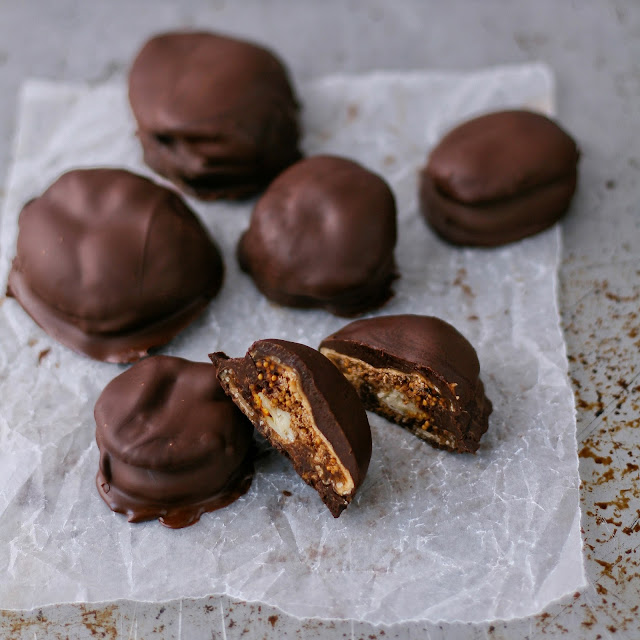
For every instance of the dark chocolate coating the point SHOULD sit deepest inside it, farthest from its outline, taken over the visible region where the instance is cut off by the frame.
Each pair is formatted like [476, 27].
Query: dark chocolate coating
[172, 444]
[337, 411]
[431, 348]
[499, 178]
[323, 235]
[111, 264]
[216, 115]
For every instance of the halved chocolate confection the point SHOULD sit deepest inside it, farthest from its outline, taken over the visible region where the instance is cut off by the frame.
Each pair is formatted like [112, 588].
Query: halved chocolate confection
[216, 115]
[499, 178]
[308, 411]
[111, 264]
[172, 444]
[323, 236]
[417, 371]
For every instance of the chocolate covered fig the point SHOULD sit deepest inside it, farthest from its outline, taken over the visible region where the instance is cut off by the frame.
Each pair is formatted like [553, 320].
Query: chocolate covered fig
[417, 371]
[111, 264]
[172, 444]
[323, 236]
[307, 410]
[499, 178]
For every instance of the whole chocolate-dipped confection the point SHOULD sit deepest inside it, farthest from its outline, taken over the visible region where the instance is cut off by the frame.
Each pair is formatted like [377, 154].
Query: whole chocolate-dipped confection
[215, 115]
[111, 264]
[172, 445]
[417, 371]
[323, 235]
[499, 178]
[304, 406]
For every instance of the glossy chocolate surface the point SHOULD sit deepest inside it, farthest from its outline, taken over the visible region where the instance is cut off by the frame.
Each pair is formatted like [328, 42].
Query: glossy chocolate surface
[432, 349]
[323, 236]
[112, 264]
[499, 178]
[336, 409]
[172, 444]
[215, 114]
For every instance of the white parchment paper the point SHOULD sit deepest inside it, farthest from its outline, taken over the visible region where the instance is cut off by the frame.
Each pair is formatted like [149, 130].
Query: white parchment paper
[431, 535]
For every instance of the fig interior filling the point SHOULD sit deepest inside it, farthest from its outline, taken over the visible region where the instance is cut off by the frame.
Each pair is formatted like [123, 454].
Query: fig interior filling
[408, 399]
[279, 406]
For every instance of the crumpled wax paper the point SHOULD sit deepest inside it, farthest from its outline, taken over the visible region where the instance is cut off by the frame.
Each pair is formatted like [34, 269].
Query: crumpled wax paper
[431, 535]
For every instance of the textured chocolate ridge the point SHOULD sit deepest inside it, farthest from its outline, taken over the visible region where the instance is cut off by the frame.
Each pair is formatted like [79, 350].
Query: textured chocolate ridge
[214, 181]
[431, 350]
[337, 411]
[492, 224]
[323, 236]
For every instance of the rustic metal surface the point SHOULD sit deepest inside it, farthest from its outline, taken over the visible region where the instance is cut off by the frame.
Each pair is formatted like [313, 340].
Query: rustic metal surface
[594, 47]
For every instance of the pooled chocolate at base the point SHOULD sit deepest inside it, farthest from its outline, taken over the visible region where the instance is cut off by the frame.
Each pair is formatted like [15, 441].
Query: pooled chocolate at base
[307, 410]
[173, 516]
[172, 444]
[417, 371]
